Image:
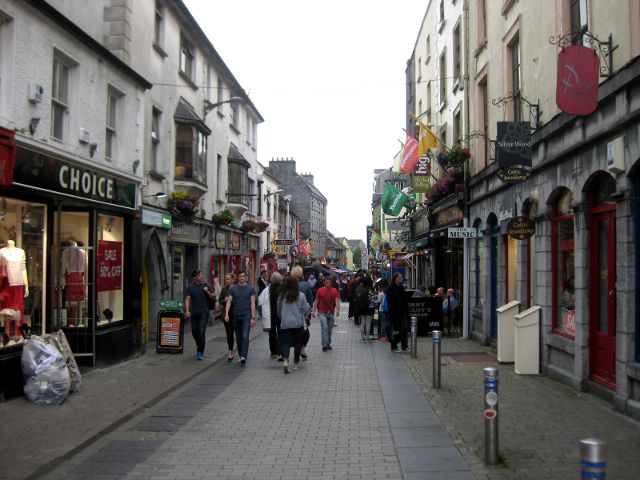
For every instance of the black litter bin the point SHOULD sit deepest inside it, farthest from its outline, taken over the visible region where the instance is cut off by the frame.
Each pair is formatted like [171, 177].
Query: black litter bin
[170, 331]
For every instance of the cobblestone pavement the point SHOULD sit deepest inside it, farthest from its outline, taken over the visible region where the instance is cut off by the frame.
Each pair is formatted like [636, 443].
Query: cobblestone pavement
[541, 420]
[359, 411]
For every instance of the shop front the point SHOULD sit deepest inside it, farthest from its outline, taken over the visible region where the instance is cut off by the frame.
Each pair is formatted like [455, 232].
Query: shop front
[68, 235]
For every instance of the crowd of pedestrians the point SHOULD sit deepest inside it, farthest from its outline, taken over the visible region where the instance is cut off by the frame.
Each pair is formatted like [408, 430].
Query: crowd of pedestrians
[287, 303]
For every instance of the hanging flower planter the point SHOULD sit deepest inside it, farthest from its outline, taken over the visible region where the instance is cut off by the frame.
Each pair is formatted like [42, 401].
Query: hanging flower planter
[223, 217]
[183, 206]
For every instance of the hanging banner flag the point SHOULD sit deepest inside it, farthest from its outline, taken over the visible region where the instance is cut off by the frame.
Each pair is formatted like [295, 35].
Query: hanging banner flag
[397, 160]
[410, 155]
[577, 81]
[393, 200]
[374, 239]
[426, 139]
[513, 144]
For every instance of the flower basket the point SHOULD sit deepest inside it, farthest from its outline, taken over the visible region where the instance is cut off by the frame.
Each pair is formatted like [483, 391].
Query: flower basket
[183, 206]
[223, 217]
[248, 225]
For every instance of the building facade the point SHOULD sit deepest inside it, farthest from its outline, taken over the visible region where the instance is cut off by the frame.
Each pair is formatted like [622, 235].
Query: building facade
[581, 265]
[72, 124]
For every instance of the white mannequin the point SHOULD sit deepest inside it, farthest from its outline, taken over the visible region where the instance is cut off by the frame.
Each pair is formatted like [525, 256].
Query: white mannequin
[13, 264]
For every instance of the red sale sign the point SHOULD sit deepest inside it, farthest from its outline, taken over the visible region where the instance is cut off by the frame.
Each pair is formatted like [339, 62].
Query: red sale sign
[577, 84]
[109, 266]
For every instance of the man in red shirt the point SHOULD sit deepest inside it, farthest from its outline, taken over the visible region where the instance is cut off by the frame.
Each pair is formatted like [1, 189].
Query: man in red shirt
[326, 303]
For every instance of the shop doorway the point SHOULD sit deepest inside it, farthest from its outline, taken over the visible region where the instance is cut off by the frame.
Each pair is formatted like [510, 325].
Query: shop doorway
[602, 288]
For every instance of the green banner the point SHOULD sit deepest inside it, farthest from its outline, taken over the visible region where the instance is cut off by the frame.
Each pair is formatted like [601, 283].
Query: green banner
[393, 200]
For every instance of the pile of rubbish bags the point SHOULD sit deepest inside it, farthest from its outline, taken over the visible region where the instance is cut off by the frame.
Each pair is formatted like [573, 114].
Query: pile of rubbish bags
[50, 372]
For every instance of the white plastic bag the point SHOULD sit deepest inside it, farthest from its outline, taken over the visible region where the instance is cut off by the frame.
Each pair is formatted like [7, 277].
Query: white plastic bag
[47, 379]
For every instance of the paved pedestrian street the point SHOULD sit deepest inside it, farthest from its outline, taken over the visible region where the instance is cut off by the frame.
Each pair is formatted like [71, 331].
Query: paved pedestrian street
[358, 411]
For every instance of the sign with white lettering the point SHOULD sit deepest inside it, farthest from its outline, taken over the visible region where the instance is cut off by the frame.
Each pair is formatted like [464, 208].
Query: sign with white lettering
[513, 144]
[55, 175]
[156, 219]
[462, 232]
[577, 81]
[109, 266]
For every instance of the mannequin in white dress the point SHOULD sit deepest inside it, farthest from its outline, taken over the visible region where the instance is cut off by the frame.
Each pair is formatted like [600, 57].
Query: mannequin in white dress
[13, 265]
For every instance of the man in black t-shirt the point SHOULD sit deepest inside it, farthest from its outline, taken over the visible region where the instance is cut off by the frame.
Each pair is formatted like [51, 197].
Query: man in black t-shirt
[196, 308]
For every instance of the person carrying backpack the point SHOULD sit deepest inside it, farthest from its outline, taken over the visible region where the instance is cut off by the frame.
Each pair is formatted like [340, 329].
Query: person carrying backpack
[366, 300]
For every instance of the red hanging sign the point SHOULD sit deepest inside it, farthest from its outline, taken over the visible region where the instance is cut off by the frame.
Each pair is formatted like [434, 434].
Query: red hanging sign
[7, 155]
[577, 84]
[109, 266]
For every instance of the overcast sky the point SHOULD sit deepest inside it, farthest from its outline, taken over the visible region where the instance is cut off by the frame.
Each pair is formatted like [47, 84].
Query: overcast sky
[328, 79]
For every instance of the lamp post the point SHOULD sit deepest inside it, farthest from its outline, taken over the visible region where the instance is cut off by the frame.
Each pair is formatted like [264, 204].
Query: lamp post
[208, 106]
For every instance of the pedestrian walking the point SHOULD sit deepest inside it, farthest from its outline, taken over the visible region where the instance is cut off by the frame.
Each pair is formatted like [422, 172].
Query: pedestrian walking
[293, 309]
[196, 306]
[383, 309]
[365, 303]
[243, 298]
[305, 288]
[326, 304]
[263, 281]
[275, 340]
[229, 279]
[398, 313]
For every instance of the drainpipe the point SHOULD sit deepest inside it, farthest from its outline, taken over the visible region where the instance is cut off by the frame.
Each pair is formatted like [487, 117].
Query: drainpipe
[467, 123]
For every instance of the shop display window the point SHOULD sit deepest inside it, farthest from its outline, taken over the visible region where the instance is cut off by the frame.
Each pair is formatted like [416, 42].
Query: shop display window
[22, 252]
[109, 269]
[70, 267]
[563, 266]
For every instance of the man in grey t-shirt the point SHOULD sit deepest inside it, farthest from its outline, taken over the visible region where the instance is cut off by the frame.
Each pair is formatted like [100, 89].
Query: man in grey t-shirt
[243, 297]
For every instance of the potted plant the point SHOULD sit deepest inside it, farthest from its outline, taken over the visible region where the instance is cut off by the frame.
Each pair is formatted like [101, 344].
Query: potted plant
[248, 225]
[260, 227]
[183, 206]
[223, 217]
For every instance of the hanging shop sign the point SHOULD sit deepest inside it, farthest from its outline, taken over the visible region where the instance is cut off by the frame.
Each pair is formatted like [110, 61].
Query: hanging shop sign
[462, 232]
[513, 175]
[109, 265]
[7, 155]
[513, 144]
[420, 178]
[58, 176]
[221, 240]
[577, 80]
[283, 241]
[236, 241]
[294, 251]
[521, 228]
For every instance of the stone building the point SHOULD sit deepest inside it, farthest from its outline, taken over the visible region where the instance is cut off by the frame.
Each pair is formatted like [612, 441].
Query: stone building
[306, 200]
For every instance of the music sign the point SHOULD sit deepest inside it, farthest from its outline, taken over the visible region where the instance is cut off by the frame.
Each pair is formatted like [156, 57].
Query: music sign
[109, 266]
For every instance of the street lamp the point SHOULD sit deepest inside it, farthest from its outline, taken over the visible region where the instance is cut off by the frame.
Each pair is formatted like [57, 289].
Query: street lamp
[156, 195]
[208, 106]
[267, 195]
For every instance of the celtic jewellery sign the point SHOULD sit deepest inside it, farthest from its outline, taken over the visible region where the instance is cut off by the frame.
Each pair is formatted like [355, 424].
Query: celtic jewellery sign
[521, 228]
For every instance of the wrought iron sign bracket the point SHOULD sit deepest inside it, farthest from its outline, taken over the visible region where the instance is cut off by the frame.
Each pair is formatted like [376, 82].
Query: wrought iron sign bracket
[604, 49]
[534, 108]
[481, 134]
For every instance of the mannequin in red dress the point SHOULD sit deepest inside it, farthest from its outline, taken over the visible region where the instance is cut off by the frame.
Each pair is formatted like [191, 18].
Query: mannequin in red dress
[13, 265]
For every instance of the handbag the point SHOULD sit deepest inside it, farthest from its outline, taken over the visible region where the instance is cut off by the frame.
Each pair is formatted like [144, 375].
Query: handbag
[211, 302]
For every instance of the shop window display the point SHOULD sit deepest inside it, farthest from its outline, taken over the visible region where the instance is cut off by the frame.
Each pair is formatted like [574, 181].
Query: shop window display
[563, 267]
[109, 265]
[22, 235]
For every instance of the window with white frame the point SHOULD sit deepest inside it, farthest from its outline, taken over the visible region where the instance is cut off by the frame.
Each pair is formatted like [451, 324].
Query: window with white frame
[220, 90]
[254, 134]
[156, 116]
[234, 115]
[187, 58]
[443, 79]
[59, 96]
[428, 46]
[209, 73]
[191, 153]
[516, 85]
[579, 22]
[220, 183]
[457, 54]
[158, 26]
[247, 132]
[111, 129]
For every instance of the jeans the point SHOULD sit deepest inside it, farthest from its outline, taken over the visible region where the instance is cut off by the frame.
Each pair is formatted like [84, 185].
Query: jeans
[382, 316]
[326, 325]
[241, 326]
[198, 327]
[400, 326]
[291, 336]
[367, 322]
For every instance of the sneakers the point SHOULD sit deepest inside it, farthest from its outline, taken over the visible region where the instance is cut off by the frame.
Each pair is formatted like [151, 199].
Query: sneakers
[295, 365]
[243, 360]
[363, 340]
[397, 350]
[280, 359]
[286, 366]
[371, 338]
[199, 356]
[324, 349]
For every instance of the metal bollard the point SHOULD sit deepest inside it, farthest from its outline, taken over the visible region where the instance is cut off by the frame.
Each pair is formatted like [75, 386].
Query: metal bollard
[593, 458]
[414, 337]
[491, 415]
[437, 339]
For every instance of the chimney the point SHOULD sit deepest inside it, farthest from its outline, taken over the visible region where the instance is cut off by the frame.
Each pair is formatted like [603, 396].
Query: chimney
[308, 177]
